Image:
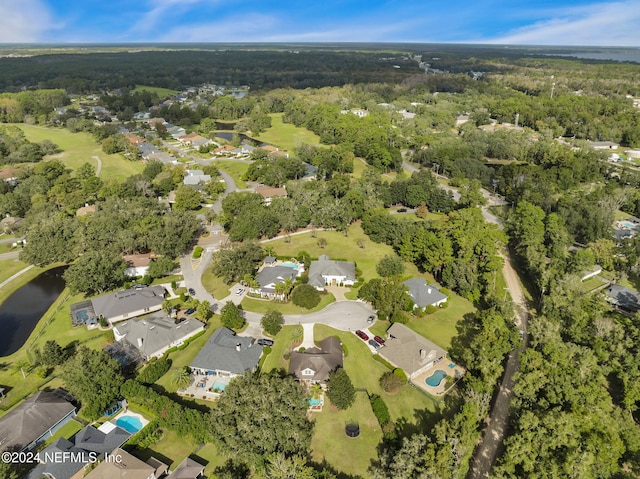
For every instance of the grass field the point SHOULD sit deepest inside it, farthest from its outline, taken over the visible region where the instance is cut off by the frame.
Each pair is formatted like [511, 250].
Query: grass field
[359, 167]
[235, 169]
[262, 306]
[161, 92]
[214, 285]
[341, 247]
[80, 148]
[9, 267]
[591, 284]
[287, 136]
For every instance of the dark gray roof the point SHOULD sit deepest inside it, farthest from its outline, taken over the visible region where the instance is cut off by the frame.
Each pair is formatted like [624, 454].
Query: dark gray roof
[408, 350]
[624, 298]
[269, 259]
[88, 440]
[155, 332]
[31, 419]
[321, 361]
[423, 294]
[128, 301]
[221, 353]
[328, 267]
[187, 469]
[273, 275]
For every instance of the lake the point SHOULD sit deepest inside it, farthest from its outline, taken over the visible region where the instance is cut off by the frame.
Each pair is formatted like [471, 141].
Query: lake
[228, 135]
[20, 312]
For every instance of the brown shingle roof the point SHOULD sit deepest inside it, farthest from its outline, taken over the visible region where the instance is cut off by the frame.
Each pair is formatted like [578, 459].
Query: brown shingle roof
[322, 362]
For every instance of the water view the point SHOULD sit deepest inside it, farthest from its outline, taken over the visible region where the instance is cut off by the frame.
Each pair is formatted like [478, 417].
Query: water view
[20, 312]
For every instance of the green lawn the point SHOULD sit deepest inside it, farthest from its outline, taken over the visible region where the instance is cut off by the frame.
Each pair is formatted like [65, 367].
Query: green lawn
[283, 342]
[262, 306]
[9, 267]
[591, 284]
[359, 167]
[235, 169]
[171, 449]
[351, 456]
[209, 456]
[66, 431]
[185, 356]
[79, 148]
[214, 285]
[341, 247]
[161, 92]
[287, 136]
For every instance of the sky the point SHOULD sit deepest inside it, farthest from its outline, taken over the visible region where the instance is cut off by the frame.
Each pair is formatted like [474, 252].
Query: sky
[532, 22]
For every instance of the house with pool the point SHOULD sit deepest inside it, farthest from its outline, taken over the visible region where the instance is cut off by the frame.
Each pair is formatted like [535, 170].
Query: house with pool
[314, 365]
[270, 276]
[224, 356]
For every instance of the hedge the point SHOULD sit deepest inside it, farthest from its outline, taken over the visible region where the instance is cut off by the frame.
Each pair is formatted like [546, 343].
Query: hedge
[197, 252]
[380, 359]
[154, 371]
[380, 409]
[401, 374]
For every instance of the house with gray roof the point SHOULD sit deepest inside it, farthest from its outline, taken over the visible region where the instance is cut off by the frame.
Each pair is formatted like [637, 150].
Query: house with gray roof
[268, 277]
[623, 298]
[157, 333]
[36, 419]
[409, 351]
[227, 354]
[127, 467]
[423, 294]
[314, 365]
[80, 451]
[188, 469]
[326, 271]
[129, 303]
[196, 179]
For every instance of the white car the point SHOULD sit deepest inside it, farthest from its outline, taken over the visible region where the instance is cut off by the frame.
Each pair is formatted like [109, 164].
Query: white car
[240, 291]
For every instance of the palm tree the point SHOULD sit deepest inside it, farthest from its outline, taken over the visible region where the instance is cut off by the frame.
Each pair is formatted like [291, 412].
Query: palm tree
[288, 286]
[182, 377]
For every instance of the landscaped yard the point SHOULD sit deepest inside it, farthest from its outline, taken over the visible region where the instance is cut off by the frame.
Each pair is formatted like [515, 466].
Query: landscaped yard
[235, 169]
[262, 306]
[80, 148]
[9, 267]
[66, 431]
[161, 92]
[287, 136]
[340, 247]
[591, 284]
[283, 342]
[214, 285]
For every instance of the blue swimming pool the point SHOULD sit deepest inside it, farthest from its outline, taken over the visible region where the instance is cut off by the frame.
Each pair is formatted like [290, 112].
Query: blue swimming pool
[628, 224]
[129, 423]
[436, 378]
[218, 386]
[288, 265]
[315, 401]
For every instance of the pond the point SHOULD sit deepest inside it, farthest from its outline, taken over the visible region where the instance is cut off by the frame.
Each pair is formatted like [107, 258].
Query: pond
[228, 135]
[20, 312]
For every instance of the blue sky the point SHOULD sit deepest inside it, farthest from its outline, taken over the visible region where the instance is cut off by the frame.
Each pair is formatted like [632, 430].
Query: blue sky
[540, 22]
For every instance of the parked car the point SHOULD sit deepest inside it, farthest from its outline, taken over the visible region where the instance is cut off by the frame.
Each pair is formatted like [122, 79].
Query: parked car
[379, 340]
[371, 319]
[374, 344]
[190, 311]
[265, 342]
[362, 335]
[240, 291]
[192, 291]
[179, 320]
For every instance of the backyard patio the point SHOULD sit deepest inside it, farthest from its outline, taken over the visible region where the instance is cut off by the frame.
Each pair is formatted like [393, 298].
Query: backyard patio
[210, 386]
[435, 380]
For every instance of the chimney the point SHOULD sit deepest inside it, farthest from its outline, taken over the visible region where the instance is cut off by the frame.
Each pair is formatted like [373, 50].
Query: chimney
[238, 345]
[423, 354]
[429, 290]
[139, 342]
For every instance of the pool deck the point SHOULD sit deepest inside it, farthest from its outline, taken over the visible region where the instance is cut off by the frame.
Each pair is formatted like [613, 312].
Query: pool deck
[455, 372]
[200, 386]
[110, 425]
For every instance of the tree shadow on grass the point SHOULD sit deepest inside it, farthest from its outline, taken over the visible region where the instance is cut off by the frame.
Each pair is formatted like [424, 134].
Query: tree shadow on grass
[467, 329]
[324, 466]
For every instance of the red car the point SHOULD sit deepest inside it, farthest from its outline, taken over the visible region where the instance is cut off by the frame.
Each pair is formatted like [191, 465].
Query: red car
[362, 335]
[379, 340]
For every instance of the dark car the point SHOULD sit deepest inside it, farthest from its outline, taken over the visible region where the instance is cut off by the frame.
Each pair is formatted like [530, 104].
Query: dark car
[192, 291]
[379, 340]
[265, 342]
[362, 335]
[179, 320]
[374, 344]
[190, 311]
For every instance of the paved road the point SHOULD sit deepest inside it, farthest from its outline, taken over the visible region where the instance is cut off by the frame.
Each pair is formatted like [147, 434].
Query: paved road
[10, 240]
[9, 255]
[11, 278]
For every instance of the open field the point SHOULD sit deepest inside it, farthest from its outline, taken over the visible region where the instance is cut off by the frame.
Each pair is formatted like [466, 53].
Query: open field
[287, 136]
[80, 148]
[161, 92]
[235, 169]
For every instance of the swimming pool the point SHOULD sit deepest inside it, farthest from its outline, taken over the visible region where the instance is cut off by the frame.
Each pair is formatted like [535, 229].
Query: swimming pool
[436, 378]
[129, 423]
[315, 401]
[288, 265]
[218, 386]
[628, 224]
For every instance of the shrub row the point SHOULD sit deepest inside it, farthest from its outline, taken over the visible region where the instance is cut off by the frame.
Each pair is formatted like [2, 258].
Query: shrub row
[380, 410]
[148, 435]
[154, 370]
[383, 361]
[182, 420]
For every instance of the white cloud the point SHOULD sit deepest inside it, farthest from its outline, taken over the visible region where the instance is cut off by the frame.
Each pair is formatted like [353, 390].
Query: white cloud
[601, 24]
[23, 21]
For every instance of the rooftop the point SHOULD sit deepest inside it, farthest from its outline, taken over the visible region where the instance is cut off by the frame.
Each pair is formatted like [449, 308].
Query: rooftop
[224, 351]
[128, 301]
[408, 350]
[317, 363]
